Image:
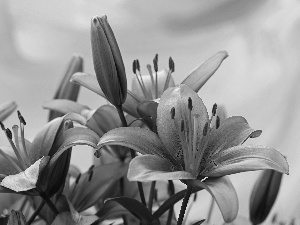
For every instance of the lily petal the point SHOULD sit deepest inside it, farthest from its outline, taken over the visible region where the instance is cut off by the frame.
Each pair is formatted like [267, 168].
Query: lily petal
[6, 109]
[200, 75]
[27, 179]
[246, 158]
[138, 139]
[151, 167]
[90, 82]
[224, 194]
[72, 137]
[104, 119]
[232, 132]
[65, 106]
[43, 142]
[168, 128]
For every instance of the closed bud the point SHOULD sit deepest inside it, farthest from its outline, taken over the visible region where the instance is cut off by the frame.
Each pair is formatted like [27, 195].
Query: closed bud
[108, 63]
[264, 195]
[16, 218]
[66, 89]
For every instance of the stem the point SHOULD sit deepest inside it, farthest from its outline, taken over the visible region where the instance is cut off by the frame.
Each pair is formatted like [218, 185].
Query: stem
[184, 204]
[122, 193]
[36, 212]
[171, 211]
[49, 203]
[152, 189]
[210, 210]
[124, 123]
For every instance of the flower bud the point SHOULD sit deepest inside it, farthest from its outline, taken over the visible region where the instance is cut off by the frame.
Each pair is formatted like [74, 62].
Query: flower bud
[66, 89]
[264, 195]
[108, 63]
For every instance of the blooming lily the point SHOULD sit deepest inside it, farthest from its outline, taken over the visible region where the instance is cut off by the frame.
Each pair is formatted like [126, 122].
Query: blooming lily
[189, 148]
[195, 80]
[23, 162]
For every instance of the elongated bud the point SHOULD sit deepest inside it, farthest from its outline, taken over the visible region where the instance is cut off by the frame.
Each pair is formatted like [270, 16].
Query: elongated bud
[6, 109]
[66, 89]
[108, 62]
[16, 218]
[263, 195]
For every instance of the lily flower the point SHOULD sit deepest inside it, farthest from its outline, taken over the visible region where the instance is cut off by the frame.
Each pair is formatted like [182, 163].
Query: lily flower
[22, 163]
[189, 148]
[195, 80]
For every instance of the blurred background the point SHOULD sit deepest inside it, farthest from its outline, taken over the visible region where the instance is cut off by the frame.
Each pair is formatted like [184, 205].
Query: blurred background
[259, 80]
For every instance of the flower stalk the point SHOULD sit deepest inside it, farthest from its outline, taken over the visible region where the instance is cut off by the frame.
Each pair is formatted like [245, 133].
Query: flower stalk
[185, 201]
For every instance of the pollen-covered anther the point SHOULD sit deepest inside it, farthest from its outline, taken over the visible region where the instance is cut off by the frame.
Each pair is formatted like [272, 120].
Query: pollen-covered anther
[77, 178]
[8, 133]
[214, 109]
[91, 172]
[172, 112]
[171, 65]
[217, 122]
[182, 126]
[190, 104]
[138, 65]
[205, 129]
[155, 63]
[21, 118]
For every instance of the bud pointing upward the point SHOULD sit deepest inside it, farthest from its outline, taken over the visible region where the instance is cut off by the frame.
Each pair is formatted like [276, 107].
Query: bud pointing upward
[108, 62]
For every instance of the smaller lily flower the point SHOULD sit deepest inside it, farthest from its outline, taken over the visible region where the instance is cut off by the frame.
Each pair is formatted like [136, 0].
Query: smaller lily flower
[195, 80]
[188, 147]
[22, 163]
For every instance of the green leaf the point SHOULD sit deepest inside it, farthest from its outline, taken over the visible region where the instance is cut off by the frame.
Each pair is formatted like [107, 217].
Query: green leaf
[90, 189]
[196, 79]
[137, 209]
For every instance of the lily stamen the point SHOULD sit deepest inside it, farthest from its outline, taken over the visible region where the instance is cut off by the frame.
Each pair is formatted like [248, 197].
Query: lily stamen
[151, 75]
[155, 65]
[136, 67]
[16, 150]
[171, 70]
[22, 124]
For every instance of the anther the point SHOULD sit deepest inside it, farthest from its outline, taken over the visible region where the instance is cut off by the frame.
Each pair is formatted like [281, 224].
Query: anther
[138, 65]
[205, 129]
[182, 126]
[21, 118]
[217, 122]
[190, 104]
[214, 109]
[172, 113]
[91, 175]
[2, 126]
[97, 154]
[8, 133]
[171, 65]
[155, 63]
[134, 66]
[78, 178]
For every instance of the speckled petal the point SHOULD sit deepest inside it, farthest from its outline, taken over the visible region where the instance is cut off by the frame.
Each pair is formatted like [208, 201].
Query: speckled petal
[151, 167]
[168, 128]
